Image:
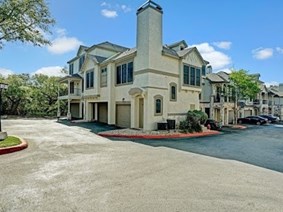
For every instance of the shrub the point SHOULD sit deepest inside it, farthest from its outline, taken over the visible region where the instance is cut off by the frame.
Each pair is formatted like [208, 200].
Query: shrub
[193, 121]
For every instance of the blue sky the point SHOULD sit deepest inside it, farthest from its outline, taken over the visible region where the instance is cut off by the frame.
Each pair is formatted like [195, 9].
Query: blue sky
[229, 34]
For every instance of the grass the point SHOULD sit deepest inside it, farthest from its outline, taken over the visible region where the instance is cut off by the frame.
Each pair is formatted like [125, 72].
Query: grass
[10, 141]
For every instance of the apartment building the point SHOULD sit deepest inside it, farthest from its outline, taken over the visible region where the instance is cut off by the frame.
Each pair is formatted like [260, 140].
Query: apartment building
[135, 87]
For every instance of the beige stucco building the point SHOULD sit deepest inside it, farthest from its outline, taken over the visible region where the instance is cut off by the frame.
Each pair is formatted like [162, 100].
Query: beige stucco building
[135, 87]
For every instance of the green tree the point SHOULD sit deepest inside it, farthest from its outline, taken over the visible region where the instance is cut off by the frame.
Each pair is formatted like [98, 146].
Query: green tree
[44, 95]
[246, 86]
[25, 20]
[16, 96]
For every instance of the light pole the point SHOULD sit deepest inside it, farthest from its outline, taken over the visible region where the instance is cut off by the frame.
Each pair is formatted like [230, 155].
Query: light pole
[3, 86]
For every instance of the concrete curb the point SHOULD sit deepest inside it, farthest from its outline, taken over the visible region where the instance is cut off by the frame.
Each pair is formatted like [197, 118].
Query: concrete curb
[7, 150]
[164, 136]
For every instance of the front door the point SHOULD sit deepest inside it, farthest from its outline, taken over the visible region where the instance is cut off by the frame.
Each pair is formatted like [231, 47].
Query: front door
[141, 112]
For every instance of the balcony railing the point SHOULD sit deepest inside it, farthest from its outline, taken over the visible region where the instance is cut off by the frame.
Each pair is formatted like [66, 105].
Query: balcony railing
[72, 92]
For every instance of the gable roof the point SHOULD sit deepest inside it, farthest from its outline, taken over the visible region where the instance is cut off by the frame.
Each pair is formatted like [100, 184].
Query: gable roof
[178, 44]
[81, 48]
[126, 53]
[215, 78]
[109, 46]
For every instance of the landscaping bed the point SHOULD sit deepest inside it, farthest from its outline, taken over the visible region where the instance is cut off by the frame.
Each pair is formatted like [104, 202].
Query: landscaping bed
[10, 141]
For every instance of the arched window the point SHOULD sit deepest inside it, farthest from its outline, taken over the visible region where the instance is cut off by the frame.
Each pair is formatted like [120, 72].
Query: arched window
[158, 105]
[173, 91]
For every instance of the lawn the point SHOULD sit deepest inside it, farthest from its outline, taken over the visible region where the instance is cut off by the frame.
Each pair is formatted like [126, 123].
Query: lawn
[10, 141]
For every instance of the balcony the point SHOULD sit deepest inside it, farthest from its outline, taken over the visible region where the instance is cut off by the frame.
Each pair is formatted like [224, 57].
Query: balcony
[75, 93]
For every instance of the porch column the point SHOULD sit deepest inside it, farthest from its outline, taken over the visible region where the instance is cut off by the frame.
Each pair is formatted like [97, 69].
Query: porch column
[58, 104]
[69, 115]
[96, 111]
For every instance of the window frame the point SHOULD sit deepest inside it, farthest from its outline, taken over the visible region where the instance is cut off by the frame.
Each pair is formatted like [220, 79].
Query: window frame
[89, 82]
[189, 72]
[173, 84]
[103, 77]
[125, 73]
[71, 68]
[158, 98]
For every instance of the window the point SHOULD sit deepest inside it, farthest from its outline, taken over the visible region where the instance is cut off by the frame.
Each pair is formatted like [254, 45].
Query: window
[158, 109]
[90, 79]
[72, 87]
[197, 77]
[71, 68]
[192, 75]
[186, 75]
[124, 73]
[203, 71]
[81, 61]
[103, 77]
[173, 91]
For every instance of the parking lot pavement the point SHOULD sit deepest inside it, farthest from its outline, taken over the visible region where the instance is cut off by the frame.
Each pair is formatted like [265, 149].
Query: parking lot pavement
[69, 168]
[258, 145]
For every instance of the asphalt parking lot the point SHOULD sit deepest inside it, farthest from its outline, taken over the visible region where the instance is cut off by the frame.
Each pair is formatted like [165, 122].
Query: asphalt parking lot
[69, 168]
[257, 145]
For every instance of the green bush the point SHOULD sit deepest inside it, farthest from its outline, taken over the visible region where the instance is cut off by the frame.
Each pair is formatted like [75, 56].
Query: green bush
[193, 121]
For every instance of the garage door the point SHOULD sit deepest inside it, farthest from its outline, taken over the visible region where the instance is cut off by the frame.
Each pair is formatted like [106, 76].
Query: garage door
[231, 117]
[247, 113]
[123, 115]
[103, 112]
[75, 110]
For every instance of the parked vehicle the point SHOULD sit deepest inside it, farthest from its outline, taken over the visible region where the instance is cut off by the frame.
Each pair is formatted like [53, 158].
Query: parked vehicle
[253, 120]
[213, 125]
[270, 118]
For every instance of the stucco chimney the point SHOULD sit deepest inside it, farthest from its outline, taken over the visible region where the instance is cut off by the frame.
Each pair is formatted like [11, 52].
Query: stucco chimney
[149, 32]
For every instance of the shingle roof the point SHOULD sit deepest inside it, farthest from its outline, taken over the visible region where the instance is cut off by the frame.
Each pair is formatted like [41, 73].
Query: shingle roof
[183, 52]
[178, 43]
[169, 51]
[126, 53]
[214, 78]
[224, 76]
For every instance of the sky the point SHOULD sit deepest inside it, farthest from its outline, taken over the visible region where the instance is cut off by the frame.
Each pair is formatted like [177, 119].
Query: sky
[242, 34]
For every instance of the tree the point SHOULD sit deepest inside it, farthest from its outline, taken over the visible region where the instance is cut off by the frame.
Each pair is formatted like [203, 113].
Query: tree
[16, 96]
[246, 86]
[34, 96]
[25, 20]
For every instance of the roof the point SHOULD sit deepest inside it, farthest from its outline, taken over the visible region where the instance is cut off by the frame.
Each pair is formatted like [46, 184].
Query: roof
[73, 76]
[183, 52]
[215, 78]
[109, 46]
[178, 44]
[224, 76]
[169, 51]
[275, 90]
[151, 4]
[97, 59]
[126, 53]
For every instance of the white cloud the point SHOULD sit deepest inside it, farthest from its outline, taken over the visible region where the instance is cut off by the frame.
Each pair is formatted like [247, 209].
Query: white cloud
[226, 70]
[63, 44]
[268, 84]
[217, 59]
[223, 44]
[109, 13]
[125, 8]
[50, 71]
[279, 49]
[5, 72]
[262, 54]
[104, 4]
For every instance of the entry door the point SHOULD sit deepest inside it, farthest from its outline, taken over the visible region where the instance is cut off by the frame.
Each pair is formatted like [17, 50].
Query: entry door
[141, 112]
